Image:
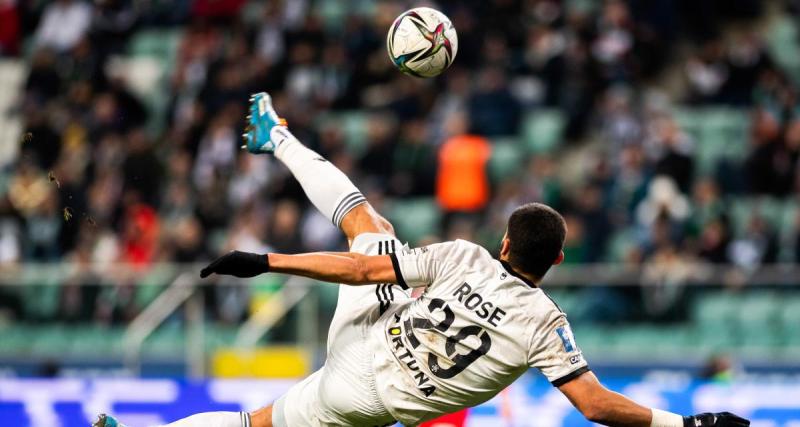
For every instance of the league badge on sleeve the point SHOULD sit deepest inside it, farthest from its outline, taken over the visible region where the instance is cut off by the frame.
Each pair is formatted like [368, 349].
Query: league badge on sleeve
[567, 339]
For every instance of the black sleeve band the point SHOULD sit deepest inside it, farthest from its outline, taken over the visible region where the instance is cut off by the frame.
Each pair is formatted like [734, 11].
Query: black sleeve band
[570, 376]
[397, 272]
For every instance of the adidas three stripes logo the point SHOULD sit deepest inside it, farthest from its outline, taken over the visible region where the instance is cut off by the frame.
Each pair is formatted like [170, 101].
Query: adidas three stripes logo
[346, 205]
[384, 291]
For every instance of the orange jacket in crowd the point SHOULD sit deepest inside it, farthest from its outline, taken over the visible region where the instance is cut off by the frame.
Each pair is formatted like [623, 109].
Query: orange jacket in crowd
[462, 184]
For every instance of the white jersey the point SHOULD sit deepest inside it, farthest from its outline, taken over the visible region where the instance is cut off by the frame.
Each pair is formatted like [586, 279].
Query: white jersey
[478, 326]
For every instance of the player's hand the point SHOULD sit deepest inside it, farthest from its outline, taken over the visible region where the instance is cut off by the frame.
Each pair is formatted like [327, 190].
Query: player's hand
[239, 264]
[719, 419]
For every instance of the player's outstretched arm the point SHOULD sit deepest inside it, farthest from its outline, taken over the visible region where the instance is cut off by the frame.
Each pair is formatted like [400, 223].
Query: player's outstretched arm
[337, 267]
[603, 406]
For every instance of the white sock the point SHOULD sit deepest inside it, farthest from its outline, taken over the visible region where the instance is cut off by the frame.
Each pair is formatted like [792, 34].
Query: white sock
[325, 185]
[214, 419]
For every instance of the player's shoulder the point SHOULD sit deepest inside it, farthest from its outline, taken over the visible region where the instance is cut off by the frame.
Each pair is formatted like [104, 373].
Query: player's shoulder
[469, 246]
[463, 250]
[536, 312]
[530, 298]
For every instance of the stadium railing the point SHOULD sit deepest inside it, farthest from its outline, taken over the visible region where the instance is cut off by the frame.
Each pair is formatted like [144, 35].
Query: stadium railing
[751, 312]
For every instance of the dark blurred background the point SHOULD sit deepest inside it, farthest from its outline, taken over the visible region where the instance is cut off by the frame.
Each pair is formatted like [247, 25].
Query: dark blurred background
[666, 132]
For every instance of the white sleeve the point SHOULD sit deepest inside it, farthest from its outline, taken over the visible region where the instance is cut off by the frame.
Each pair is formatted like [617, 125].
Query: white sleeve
[420, 266]
[555, 354]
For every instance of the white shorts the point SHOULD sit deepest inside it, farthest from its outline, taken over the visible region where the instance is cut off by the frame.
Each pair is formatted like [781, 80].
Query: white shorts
[343, 391]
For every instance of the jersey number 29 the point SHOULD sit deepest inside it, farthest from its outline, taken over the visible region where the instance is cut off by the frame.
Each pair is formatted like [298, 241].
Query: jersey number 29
[460, 361]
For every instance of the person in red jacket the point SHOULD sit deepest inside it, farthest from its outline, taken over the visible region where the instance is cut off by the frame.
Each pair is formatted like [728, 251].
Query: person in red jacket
[9, 28]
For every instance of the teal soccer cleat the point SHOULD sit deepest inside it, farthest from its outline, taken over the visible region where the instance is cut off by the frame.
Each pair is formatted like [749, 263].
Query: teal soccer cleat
[104, 420]
[261, 122]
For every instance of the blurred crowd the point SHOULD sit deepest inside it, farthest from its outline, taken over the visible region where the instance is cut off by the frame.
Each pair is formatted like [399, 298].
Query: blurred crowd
[94, 181]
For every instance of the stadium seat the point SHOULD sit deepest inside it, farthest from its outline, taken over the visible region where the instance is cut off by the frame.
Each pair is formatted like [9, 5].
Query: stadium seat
[789, 315]
[787, 229]
[782, 41]
[157, 43]
[758, 321]
[54, 339]
[543, 130]
[620, 243]
[86, 339]
[354, 126]
[718, 133]
[151, 59]
[569, 300]
[17, 339]
[779, 214]
[714, 313]
[41, 300]
[507, 159]
[649, 341]
[714, 327]
[414, 219]
[220, 335]
[593, 340]
[165, 341]
[334, 12]
[151, 285]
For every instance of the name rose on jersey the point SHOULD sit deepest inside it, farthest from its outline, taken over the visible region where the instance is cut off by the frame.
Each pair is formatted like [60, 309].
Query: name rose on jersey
[472, 301]
[477, 303]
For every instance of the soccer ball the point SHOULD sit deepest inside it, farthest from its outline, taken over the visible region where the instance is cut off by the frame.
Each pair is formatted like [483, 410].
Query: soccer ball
[422, 42]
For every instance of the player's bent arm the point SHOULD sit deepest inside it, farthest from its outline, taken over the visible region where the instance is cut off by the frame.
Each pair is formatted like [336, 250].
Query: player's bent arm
[338, 267]
[345, 267]
[603, 406]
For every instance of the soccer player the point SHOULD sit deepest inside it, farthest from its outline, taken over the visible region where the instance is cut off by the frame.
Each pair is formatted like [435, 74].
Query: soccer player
[480, 323]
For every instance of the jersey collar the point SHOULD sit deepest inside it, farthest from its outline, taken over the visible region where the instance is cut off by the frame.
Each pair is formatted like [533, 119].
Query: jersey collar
[512, 272]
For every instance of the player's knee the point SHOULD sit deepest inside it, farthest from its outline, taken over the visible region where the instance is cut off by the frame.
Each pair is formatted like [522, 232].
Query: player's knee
[364, 219]
[387, 226]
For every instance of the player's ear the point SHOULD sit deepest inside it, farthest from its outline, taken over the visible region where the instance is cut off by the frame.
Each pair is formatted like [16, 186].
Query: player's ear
[505, 247]
[560, 258]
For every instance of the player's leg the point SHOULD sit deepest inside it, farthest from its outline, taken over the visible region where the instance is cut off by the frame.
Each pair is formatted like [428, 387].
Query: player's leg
[339, 393]
[327, 187]
[214, 419]
[299, 406]
[205, 419]
[364, 219]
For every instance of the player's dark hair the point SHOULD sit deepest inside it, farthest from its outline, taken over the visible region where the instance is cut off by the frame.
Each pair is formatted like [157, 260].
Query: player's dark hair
[536, 236]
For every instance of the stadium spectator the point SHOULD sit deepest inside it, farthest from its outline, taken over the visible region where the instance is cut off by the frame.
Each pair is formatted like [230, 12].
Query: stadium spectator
[757, 246]
[461, 184]
[672, 152]
[111, 147]
[63, 24]
[9, 28]
[113, 21]
[714, 241]
[492, 109]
